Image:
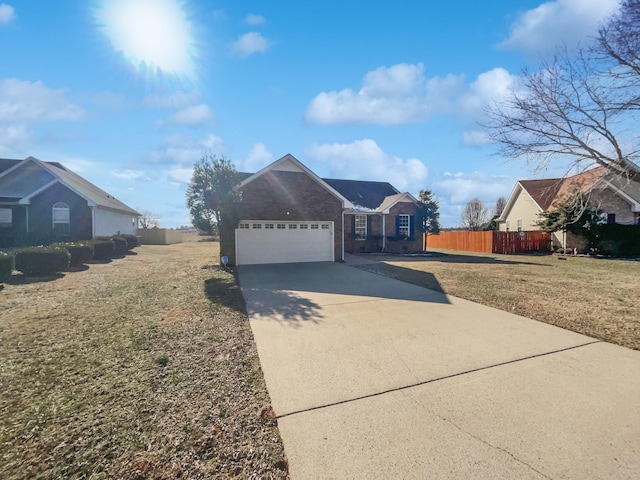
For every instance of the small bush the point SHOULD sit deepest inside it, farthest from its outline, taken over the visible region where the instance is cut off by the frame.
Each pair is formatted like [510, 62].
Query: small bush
[132, 241]
[6, 266]
[162, 359]
[81, 252]
[41, 260]
[121, 246]
[103, 249]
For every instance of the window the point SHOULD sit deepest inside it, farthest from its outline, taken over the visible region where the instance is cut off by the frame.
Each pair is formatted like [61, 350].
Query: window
[314, 226]
[506, 225]
[611, 218]
[361, 227]
[268, 226]
[293, 226]
[244, 225]
[304, 226]
[60, 215]
[325, 226]
[281, 226]
[6, 218]
[519, 224]
[257, 226]
[403, 225]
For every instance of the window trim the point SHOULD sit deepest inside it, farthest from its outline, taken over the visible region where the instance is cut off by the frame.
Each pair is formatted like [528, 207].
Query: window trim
[362, 228]
[8, 224]
[57, 208]
[401, 227]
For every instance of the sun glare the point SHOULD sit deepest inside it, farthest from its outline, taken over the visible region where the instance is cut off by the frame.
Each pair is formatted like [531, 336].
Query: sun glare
[150, 34]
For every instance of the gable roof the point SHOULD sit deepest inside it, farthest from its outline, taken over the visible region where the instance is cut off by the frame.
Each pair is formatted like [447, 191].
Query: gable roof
[362, 193]
[94, 196]
[547, 192]
[543, 192]
[289, 163]
[391, 200]
[7, 163]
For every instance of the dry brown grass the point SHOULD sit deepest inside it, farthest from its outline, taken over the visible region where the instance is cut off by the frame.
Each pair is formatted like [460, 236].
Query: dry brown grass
[596, 297]
[85, 392]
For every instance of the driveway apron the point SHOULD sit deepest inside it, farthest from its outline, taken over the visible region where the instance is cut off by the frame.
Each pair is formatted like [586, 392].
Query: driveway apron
[371, 377]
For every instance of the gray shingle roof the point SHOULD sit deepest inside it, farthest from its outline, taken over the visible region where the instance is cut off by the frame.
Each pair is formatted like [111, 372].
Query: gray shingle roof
[75, 182]
[362, 193]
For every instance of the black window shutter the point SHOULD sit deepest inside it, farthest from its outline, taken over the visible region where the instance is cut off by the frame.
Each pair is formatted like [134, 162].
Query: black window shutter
[368, 225]
[397, 225]
[412, 227]
[353, 224]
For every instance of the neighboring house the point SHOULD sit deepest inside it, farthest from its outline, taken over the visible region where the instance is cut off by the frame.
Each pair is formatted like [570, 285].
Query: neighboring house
[288, 214]
[616, 198]
[43, 202]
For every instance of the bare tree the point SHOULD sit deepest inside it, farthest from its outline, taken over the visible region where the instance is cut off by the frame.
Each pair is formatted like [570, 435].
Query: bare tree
[148, 219]
[475, 215]
[580, 105]
[501, 203]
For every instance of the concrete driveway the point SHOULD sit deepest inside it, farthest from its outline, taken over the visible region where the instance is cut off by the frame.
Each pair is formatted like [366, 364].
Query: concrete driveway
[371, 377]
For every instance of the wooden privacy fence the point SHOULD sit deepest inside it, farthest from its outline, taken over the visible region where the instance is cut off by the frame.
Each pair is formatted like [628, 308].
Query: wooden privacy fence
[491, 241]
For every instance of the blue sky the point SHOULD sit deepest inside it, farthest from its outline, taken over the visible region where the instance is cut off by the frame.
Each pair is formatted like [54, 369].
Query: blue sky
[131, 93]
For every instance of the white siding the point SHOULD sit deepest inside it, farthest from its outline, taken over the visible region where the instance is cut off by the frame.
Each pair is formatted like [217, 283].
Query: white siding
[108, 222]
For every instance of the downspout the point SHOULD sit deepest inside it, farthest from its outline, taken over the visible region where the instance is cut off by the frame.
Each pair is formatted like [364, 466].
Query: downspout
[93, 222]
[384, 229]
[27, 216]
[342, 235]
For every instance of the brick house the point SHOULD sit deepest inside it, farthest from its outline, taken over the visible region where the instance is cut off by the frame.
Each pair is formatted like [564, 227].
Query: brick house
[288, 214]
[45, 202]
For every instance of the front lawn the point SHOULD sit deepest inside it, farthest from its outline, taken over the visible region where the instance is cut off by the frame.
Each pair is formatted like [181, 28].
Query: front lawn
[596, 297]
[144, 367]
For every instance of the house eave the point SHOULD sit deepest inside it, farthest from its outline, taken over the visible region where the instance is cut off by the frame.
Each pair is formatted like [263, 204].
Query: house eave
[288, 157]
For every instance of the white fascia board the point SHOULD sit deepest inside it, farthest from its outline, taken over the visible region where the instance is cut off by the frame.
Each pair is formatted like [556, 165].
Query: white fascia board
[27, 200]
[16, 166]
[398, 200]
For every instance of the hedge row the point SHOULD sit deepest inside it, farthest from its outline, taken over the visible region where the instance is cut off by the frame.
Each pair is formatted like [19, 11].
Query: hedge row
[41, 260]
[44, 260]
[6, 266]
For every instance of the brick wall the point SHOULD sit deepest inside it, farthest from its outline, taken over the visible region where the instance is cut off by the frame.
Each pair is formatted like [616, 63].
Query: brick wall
[403, 246]
[288, 196]
[374, 233]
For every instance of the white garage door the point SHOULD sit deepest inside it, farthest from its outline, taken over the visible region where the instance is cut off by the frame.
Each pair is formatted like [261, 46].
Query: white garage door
[283, 242]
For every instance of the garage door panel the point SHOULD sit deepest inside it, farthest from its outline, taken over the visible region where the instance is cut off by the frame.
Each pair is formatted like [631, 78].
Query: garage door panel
[284, 242]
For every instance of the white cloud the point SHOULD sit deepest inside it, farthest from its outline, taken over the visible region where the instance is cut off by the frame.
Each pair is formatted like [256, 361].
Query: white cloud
[389, 96]
[454, 190]
[250, 43]
[13, 137]
[475, 138]
[556, 22]
[364, 159]
[31, 102]
[181, 174]
[459, 188]
[489, 87]
[169, 101]
[184, 150]
[258, 158]
[128, 174]
[7, 13]
[403, 94]
[200, 114]
[253, 19]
